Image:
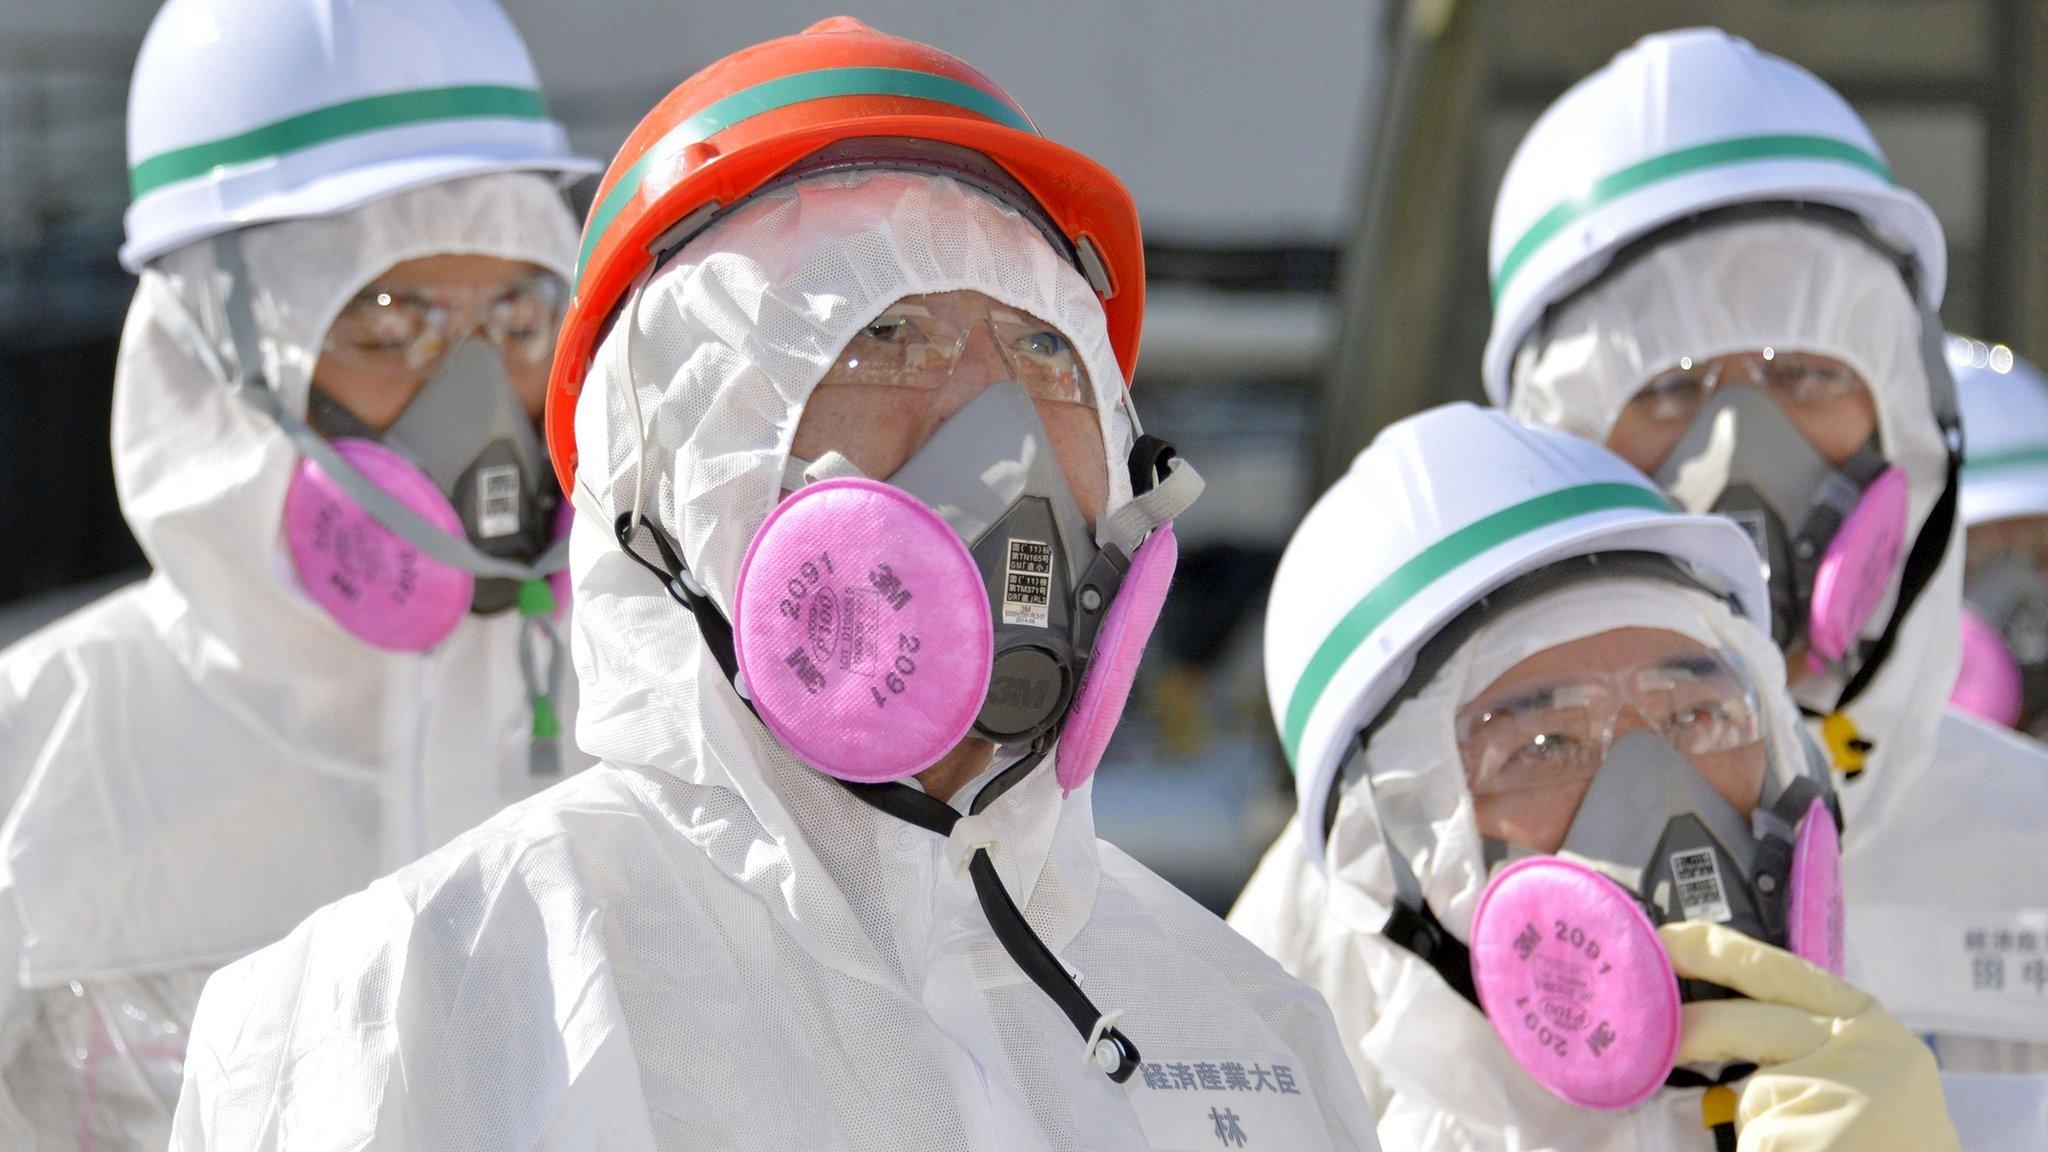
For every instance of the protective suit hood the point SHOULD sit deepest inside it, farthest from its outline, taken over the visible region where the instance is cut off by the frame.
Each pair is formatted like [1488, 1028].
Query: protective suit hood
[726, 348]
[1432, 1066]
[1791, 285]
[255, 696]
[702, 942]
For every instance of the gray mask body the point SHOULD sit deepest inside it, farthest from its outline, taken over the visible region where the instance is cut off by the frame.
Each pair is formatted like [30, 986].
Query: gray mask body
[468, 431]
[1653, 824]
[1743, 458]
[990, 473]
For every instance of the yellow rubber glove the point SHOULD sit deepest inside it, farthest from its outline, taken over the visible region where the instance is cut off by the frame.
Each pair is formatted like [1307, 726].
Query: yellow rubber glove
[1834, 1070]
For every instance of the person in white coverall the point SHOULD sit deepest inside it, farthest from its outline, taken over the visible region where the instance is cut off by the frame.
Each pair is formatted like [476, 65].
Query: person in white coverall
[829, 888]
[1533, 713]
[195, 763]
[2004, 507]
[1701, 259]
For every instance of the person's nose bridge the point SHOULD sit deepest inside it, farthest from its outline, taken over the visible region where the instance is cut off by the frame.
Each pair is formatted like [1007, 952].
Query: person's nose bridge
[1738, 370]
[981, 358]
[1629, 716]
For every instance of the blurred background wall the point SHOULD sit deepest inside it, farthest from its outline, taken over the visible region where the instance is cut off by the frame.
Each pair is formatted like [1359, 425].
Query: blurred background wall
[1315, 178]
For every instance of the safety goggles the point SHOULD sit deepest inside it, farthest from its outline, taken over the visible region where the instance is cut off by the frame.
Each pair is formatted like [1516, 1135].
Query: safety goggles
[1555, 734]
[1793, 380]
[403, 332]
[920, 344]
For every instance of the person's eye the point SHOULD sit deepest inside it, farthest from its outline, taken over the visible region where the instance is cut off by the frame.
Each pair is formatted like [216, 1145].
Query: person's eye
[1809, 386]
[1045, 344]
[1544, 753]
[1705, 727]
[1673, 395]
[889, 330]
[1698, 716]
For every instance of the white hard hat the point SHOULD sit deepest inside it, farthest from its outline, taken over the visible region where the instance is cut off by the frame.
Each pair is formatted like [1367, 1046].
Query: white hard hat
[245, 111]
[1680, 123]
[1441, 510]
[2004, 402]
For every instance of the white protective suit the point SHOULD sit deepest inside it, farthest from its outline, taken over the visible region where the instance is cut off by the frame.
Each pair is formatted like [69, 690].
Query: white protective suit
[1947, 827]
[701, 943]
[196, 762]
[1433, 1069]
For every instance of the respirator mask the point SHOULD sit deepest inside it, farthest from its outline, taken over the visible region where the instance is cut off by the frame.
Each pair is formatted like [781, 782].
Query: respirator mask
[877, 622]
[398, 536]
[1563, 956]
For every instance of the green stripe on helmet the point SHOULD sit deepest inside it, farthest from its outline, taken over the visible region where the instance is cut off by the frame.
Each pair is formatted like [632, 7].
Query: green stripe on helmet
[1720, 153]
[781, 92]
[1432, 564]
[2005, 461]
[353, 118]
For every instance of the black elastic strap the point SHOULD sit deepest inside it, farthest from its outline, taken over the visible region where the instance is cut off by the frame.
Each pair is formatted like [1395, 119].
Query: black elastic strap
[1011, 929]
[1150, 460]
[912, 807]
[1724, 1132]
[675, 578]
[1921, 564]
[1420, 932]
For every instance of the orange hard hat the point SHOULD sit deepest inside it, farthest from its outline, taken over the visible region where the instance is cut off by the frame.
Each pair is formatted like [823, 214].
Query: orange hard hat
[762, 112]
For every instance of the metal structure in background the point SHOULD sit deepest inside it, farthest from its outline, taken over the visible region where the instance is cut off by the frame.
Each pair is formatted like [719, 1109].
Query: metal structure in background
[1956, 91]
[62, 296]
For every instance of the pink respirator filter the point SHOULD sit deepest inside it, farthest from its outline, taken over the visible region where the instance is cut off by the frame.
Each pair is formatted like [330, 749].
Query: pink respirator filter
[1989, 685]
[861, 627]
[558, 582]
[1575, 982]
[1814, 920]
[383, 590]
[1857, 568]
[1118, 648]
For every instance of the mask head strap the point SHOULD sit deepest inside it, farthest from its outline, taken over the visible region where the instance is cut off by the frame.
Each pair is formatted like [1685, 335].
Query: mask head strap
[1931, 545]
[1109, 1049]
[1412, 924]
[246, 381]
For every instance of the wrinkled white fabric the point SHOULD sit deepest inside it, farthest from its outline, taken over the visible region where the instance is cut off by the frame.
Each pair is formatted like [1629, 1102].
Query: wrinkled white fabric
[1917, 814]
[1948, 896]
[1790, 285]
[195, 763]
[1784, 284]
[1434, 1071]
[702, 943]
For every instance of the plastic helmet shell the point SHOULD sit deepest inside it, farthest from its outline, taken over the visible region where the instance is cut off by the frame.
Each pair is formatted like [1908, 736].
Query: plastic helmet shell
[733, 127]
[1484, 500]
[1678, 124]
[248, 111]
[2004, 403]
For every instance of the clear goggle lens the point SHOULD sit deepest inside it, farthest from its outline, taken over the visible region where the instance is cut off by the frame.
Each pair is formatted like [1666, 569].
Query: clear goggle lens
[404, 332]
[1556, 735]
[913, 345]
[1793, 380]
